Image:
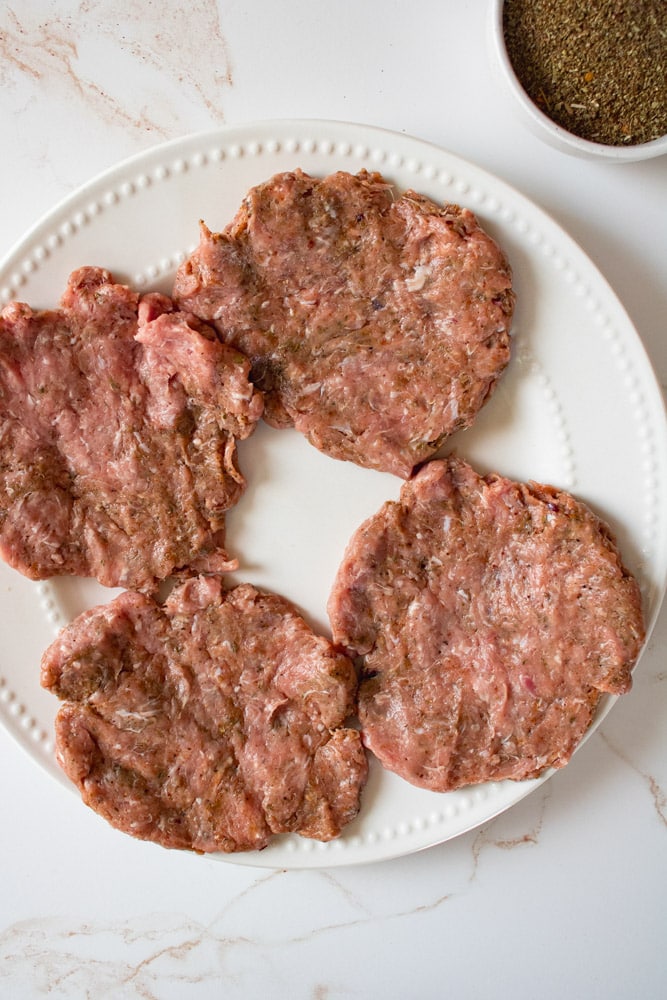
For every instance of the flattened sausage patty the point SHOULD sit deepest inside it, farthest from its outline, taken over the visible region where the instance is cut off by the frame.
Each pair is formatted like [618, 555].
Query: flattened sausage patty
[119, 417]
[377, 325]
[211, 722]
[490, 616]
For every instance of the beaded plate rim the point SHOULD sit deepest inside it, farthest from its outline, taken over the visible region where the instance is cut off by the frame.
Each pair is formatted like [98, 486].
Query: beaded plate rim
[322, 146]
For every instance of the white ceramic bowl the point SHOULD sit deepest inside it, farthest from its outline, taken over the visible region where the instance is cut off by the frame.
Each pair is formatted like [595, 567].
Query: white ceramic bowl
[542, 126]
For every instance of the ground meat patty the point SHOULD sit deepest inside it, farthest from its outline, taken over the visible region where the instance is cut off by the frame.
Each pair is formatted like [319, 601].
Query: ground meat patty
[118, 423]
[376, 325]
[211, 722]
[490, 616]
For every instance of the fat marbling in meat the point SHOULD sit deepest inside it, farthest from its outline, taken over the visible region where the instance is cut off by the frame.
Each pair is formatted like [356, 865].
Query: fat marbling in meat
[211, 722]
[119, 416]
[490, 616]
[377, 325]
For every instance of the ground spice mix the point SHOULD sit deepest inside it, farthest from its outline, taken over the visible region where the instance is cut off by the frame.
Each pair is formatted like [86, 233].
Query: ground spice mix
[598, 68]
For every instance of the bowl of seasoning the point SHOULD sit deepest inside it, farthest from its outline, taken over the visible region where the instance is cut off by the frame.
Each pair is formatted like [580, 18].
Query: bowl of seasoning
[589, 76]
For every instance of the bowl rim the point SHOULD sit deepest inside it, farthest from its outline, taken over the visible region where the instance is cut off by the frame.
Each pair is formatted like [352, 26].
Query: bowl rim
[559, 134]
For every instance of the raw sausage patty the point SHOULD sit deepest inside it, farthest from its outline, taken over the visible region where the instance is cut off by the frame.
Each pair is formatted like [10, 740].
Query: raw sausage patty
[211, 722]
[490, 616]
[377, 325]
[118, 424]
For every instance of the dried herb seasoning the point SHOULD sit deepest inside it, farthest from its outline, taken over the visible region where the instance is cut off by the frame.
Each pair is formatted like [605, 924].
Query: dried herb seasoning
[598, 68]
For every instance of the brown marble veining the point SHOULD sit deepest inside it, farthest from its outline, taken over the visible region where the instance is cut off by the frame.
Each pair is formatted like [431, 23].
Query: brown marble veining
[84, 52]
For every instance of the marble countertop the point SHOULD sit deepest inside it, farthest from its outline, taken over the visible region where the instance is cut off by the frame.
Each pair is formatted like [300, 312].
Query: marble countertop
[565, 893]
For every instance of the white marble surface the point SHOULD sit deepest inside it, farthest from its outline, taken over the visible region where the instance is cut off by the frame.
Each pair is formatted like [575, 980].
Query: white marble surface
[563, 895]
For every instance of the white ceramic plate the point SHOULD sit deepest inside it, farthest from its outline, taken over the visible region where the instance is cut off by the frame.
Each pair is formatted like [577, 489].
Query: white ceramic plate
[579, 407]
